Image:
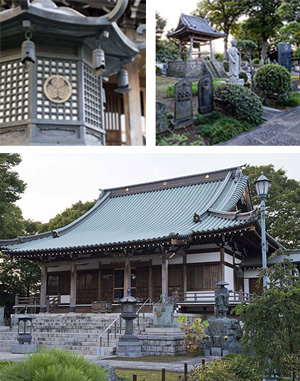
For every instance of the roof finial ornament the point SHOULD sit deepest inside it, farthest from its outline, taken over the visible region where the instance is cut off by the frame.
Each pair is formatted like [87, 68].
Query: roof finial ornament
[238, 174]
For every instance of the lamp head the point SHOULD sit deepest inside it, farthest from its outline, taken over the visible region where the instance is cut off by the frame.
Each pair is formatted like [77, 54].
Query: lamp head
[262, 185]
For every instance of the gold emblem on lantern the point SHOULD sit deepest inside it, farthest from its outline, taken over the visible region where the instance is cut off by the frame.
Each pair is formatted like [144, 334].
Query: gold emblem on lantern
[57, 89]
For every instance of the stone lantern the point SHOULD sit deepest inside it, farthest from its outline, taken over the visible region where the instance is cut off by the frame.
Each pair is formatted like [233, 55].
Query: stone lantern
[129, 345]
[24, 335]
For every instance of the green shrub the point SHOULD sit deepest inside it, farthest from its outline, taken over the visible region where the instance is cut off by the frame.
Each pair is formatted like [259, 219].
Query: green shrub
[292, 101]
[219, 56]
[243, 75]
[170, 92]
[53, 365]
[231, 368]
[226, 66]
[272, 81]
[296, 54]
[240, 101]
[225, 129]
[255, 61]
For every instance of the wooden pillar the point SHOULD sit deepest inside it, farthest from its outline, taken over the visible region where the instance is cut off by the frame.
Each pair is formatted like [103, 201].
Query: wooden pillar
[150, 281]
[99, 292]
[43, 301]
[191, 48]
[184, 275]
[164, 276]
[73, 287]
[132, 106]
[127, 276]
[212, 54]
[222, 252]
[199, 50]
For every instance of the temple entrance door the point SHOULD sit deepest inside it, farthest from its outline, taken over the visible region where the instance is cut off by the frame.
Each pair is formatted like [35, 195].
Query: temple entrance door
[119, 291]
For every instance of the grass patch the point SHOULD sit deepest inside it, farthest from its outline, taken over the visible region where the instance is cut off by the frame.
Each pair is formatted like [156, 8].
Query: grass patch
[147, 375]
[152, 358]
[292, 101]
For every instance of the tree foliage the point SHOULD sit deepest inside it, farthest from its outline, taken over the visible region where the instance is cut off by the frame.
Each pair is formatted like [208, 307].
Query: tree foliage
[67, 216]
[272, 321]
[222, 14]
[283, 204]
[10, 191]
[290, 33]
[264, 20]
[165, 49]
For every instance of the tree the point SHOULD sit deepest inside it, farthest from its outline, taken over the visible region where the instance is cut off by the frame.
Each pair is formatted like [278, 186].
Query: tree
[272, 321]
[263, 20]
[290, 33]
[160, 26]
[222, 14]
[165, 49]
[10, 191]
[248, 49]
[290, 10]
[67, 216]
[283, 204]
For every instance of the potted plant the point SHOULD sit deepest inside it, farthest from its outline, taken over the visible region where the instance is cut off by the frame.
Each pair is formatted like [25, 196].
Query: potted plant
[193, 334]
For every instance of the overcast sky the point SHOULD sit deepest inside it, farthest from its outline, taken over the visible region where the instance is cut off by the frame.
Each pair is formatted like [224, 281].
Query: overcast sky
[57, 180]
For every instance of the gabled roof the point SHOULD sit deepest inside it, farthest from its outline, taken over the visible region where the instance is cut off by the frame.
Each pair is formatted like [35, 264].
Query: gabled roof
[151, 212]
[196, 26]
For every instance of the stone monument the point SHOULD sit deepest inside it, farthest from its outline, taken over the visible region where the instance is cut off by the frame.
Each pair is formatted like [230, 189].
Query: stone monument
[161, 117]
[205, 94]
[224, 333]
[234, 63]
[285, 55]
[163, 314]
[183, 104]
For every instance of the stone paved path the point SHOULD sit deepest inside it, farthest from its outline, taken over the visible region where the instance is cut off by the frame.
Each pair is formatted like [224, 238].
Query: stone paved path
[282, 130]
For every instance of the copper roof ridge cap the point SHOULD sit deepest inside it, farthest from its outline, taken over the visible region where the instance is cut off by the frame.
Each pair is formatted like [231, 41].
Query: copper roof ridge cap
[177, 178]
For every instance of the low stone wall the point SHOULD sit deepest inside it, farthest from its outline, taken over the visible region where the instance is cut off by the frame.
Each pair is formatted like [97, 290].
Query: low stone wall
[162, 345]
[187, 69]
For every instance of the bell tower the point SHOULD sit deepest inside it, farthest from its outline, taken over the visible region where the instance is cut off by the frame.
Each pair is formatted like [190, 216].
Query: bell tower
[53, 64]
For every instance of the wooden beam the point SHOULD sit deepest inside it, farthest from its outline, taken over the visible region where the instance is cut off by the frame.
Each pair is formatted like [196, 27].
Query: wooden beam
[222, 252]
[150, 281]
[127, 276]
[99, 291]
[164, 276]
[184, 274]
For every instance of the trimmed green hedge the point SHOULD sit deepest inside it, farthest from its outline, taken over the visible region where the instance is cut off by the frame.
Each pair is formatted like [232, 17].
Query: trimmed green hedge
[273, 81]
[240, 101]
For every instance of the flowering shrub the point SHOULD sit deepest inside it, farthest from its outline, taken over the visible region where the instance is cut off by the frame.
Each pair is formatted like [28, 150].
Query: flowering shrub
[193, 333]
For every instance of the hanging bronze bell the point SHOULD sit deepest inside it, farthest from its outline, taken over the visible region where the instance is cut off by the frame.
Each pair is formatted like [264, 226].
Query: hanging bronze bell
[28, 52]
[98, 60]
[123, 82]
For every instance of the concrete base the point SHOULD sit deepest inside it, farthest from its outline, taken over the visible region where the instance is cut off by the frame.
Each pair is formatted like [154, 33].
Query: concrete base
[23, 348]
[216, 351]
[162, 331]
[206, 352]
[182, 123]
[4, 328]
[100, 351]
[129, 348]
[225, 352]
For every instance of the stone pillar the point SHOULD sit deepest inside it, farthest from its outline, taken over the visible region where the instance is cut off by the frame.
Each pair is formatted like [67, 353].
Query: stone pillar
[164, 276]
[132, 106]
[150, 281]
[212, 54]
[191, 48]
[127, 276]
[73, 287]
[179, 52]
[43, 302]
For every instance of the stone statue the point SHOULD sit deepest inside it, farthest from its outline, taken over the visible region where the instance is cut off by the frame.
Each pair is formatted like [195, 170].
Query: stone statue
[205, 94]
[234, 63]
[222, 299]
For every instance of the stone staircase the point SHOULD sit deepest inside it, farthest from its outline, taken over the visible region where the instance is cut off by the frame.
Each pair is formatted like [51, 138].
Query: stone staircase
[79, 333]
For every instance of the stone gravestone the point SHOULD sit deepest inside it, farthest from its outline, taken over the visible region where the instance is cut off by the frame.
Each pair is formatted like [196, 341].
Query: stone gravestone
[161, 117]
[1, 316]
[285, 55]
[205, 94]
[183, 104]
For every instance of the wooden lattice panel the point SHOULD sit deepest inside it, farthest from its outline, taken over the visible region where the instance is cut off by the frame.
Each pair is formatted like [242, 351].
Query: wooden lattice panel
[46, 109]
[92, 98]
[14, 88]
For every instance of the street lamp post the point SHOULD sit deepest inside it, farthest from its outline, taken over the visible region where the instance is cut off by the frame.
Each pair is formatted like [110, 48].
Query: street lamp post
[262, 185]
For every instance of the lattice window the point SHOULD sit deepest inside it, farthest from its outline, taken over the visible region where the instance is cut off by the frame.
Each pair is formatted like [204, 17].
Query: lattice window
[14, 88]
[46, 109]
[92, 98]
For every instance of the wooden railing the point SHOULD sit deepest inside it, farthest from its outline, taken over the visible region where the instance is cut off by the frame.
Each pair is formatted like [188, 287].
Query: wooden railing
[23, 303]
[53, 302]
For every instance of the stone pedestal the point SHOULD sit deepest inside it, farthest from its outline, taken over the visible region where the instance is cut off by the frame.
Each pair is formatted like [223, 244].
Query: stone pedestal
[23, 348]
[163, 315]
[129, 346]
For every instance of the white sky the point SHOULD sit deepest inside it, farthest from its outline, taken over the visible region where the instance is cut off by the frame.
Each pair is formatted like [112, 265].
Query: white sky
[171, 11]
[57, 180]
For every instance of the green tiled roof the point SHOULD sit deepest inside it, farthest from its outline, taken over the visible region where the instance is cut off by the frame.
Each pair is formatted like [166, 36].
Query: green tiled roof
[149, 212]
